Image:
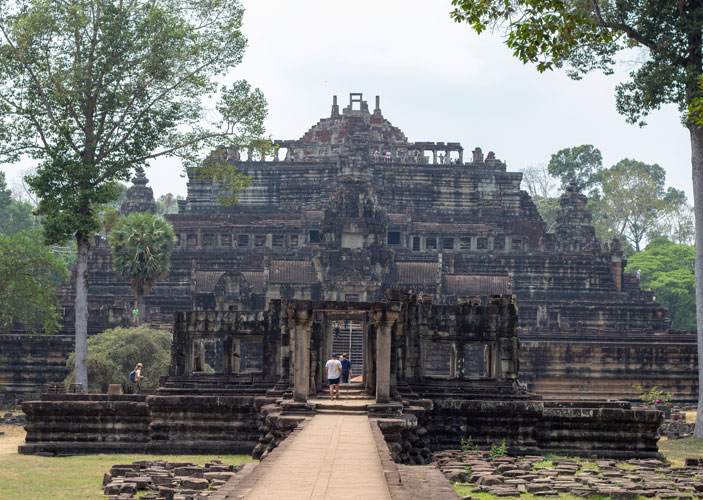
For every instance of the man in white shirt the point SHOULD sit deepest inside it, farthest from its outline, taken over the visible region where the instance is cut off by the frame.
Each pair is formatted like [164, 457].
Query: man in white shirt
[333, 372]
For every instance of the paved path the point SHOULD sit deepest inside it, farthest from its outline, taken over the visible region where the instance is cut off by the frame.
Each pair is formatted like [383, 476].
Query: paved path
[332, 457]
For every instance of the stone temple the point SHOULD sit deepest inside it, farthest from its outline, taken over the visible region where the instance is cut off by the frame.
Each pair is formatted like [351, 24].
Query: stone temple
[353, 210]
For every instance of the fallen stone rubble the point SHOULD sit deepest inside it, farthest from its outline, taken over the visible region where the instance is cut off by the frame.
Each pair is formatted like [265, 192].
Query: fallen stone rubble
[512, 476]
[10, 418]
[167, 480]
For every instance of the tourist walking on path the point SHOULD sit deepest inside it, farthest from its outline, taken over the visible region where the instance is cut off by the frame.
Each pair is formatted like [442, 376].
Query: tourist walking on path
[333, 372]
[135, 378]
[346, 369]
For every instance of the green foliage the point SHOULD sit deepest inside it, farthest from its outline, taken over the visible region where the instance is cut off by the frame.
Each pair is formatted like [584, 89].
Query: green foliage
[94, 89]
[542, 464]
[635, 201]
[15, 215]
[548, 208]
[586, 36]
[540, 184]
[498, 450]
[580, 163]
[141, 245]
[114, 353]
[653, 395]
[469, 445]
[695, 109]
[29, 274]
[667, 269]
[167, 204]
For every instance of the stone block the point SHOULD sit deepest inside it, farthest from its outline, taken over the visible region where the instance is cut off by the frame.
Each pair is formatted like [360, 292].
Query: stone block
[189, 471]
[114, 389]
[195, 483]
[489, 480]
[224, 475]
[112, 489]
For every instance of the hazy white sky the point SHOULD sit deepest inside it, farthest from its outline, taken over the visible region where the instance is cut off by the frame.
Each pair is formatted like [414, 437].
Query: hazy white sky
[438, 81]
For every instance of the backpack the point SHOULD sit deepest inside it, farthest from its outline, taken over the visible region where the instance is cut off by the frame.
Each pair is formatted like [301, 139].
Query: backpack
[132, 375]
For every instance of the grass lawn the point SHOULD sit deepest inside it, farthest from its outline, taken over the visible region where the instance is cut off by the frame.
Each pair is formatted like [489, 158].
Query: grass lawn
[677, 450]
[28, 477]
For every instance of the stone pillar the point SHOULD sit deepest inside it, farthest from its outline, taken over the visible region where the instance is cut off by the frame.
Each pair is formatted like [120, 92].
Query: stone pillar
[616, 271]
[276, 150]
[434, 156]
[301, 360]
[250, 153]
[384, 323]
[369, 358]
[227, 357]
[461, 157]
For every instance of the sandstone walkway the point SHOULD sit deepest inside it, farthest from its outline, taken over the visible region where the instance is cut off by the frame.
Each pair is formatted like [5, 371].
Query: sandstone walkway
[332, 456]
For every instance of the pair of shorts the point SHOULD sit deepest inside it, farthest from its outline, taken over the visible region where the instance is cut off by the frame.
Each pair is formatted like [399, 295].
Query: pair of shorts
[333, 381]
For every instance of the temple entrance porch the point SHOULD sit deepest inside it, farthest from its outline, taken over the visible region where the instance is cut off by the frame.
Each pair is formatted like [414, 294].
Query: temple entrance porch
[317, 332]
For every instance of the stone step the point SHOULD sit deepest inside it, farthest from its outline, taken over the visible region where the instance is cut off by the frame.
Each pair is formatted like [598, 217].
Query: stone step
[325, 411]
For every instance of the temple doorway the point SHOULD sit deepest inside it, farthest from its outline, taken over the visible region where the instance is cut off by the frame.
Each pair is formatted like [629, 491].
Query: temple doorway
[348, 338]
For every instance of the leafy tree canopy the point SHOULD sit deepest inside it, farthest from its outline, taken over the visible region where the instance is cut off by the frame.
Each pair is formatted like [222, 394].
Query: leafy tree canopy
[141, 245]
[15, 215]
[29, 274]
[167, 204]
[580, 163]
[635, 199]
[94, 89]
[586, 36]
[114, 353]
[667, 269]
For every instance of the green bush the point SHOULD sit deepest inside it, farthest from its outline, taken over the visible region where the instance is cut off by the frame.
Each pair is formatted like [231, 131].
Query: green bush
[469, 445]
[114, 353]
[498, 450]
[654, 395]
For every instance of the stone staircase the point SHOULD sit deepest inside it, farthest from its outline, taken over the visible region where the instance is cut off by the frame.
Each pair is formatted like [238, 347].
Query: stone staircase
[352, 400]
[350, 340]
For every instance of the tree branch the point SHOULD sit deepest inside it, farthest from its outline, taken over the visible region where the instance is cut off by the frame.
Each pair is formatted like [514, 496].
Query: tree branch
[628, 30]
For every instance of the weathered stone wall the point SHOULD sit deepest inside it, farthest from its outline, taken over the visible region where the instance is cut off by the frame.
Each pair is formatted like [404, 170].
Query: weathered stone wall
[203, 424]
[529, 427]
[98, 423]
[78, 424]
[493, 323]
[601, 370]
[615, 431]
[31, 362]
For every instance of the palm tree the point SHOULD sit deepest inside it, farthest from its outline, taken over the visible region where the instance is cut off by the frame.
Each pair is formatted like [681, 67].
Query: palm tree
[141, 244]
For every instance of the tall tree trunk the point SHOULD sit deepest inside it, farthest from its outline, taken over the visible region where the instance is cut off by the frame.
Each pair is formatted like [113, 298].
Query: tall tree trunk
[141, 305]
[81, 309]
[697, 164]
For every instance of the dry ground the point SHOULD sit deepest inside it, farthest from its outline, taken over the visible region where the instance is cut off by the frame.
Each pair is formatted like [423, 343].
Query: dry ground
[28, 477]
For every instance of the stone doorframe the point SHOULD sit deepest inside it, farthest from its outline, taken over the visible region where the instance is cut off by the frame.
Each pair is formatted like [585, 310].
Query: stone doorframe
[382, 320]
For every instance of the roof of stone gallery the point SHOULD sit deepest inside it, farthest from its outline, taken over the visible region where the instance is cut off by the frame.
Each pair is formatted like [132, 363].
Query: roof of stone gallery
[416, 273]
[256, 279]
[292, 271]
[470, 284]
[205, 281]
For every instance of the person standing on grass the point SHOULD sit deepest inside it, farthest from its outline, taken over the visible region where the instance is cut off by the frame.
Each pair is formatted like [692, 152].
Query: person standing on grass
[346, 369]
[333, 371]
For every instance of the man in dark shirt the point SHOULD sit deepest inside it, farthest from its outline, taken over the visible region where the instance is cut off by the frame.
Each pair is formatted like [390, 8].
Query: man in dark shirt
[346, 369]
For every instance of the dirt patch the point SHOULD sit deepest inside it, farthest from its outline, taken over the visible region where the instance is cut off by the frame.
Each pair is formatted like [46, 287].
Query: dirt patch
[13, 437]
